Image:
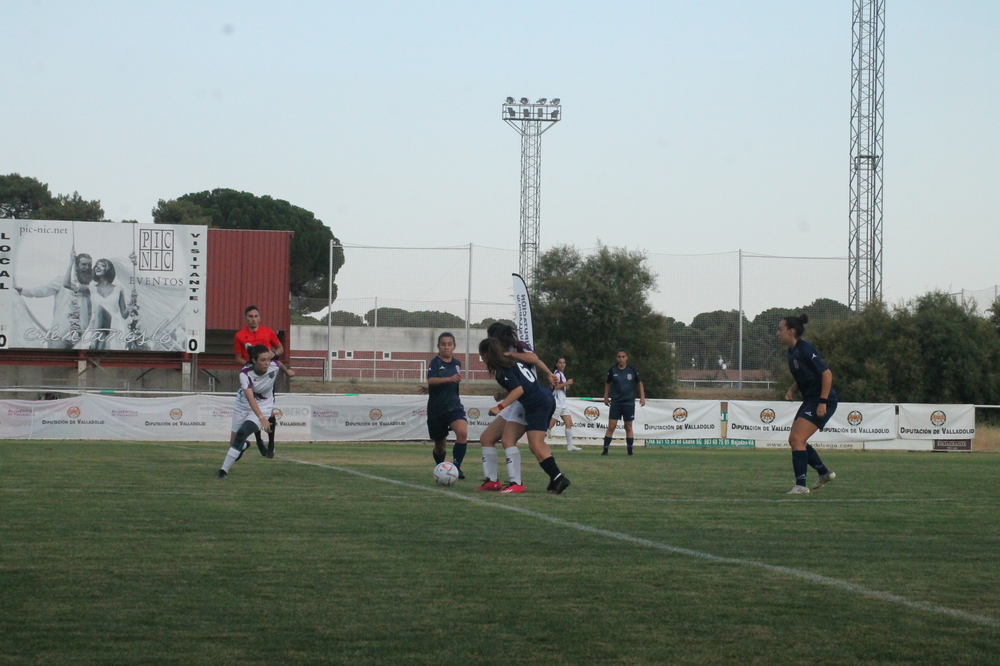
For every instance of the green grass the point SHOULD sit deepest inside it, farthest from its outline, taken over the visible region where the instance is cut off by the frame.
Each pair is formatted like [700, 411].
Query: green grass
[134, 553]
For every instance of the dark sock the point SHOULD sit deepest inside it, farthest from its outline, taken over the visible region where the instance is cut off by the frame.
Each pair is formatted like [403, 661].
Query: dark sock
[270, 435]
[259, 440]
[438, 457]
[458, 453]
[550, 467]
[800, 464]
[629, 441]
[607, 443]
[814, 460]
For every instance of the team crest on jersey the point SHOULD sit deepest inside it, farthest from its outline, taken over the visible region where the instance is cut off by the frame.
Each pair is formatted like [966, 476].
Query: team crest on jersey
[680, 415]
[795, 362]
[591, 413]
[938, 418]
[629, 376]
[855, 418]
[767, 415]
[271, 374]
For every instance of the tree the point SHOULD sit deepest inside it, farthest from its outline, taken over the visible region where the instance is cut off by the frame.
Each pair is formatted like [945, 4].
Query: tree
[71, 207]
[586, 308]
[230, 209]
[418, 319]
[931, 350]
[26, 198]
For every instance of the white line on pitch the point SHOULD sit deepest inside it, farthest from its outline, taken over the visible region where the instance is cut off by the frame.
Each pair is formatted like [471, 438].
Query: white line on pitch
[656, 545]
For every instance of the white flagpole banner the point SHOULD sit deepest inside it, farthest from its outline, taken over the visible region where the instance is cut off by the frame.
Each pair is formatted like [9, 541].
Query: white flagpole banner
[522, 314]
[659, 419]
[772, 420]
[937, 421]
[102, 286]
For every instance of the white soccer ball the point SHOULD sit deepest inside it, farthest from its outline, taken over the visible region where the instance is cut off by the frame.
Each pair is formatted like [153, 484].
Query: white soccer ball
[445, 474]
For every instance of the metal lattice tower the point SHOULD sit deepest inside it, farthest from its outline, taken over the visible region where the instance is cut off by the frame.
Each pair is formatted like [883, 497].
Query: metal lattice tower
[865, 266]
[530, 121]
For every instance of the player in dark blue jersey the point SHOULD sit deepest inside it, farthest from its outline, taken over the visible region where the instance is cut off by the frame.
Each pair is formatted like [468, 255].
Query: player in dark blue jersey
[521, 385]
[444, 408]
[814, 380]
[509, 426]
[620, 390]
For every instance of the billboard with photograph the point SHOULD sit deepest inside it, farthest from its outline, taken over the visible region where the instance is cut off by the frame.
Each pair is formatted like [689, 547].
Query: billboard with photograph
[102, 286]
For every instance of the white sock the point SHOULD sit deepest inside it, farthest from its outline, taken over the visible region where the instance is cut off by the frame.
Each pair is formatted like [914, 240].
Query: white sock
[231, 456]
[490, 462]
[514, 464]
[569, 437]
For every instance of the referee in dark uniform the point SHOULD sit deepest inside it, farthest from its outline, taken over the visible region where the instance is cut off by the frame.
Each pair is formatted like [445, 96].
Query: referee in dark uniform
[619, 393]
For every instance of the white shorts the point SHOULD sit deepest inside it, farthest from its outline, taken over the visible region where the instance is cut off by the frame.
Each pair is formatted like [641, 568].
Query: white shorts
[242, 413]
[561, 408]
[514, 413]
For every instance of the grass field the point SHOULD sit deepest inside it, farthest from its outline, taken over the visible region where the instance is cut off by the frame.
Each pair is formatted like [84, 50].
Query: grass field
[134, 553]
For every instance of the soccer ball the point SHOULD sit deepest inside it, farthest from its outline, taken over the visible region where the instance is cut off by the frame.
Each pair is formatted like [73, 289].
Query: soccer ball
[445, 474]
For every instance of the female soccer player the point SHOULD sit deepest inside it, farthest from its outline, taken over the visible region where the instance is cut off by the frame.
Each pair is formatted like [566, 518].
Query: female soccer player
[814, 381]
[509, 426]
[521, 385]
[619, 394]
[444, 408]
[254, 403]
[562, 411]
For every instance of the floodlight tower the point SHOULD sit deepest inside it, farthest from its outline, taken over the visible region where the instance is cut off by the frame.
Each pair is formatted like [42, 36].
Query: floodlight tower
[530, 121]
[865, 265]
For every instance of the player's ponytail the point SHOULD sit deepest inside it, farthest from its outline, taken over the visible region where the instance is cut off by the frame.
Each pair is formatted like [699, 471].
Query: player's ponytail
[492, 351]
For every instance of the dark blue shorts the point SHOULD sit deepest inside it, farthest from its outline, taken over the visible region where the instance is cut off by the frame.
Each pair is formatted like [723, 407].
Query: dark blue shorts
[438, 425]
[808, 412]
[622, 410]
[538, 418]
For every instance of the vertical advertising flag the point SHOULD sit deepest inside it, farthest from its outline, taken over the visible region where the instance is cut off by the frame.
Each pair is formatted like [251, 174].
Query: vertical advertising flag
[102, 286]
[522, 314]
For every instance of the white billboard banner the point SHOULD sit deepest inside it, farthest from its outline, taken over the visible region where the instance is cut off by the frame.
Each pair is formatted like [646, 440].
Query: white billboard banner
[342, 418]
[658, 419]
[522, 311]
[772, 420]
[937, 421]
[102, 286]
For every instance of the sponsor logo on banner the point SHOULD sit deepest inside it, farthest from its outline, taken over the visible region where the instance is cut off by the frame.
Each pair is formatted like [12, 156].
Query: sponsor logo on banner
[376, 421]
[473, 413]
[176, 414]
[124, 413]
[938, 418]
[592, 413]
[855, 418]
[73, 412]
[680, 415]
[767, 415]
[952, 444]
[375, 414]
[293, 416]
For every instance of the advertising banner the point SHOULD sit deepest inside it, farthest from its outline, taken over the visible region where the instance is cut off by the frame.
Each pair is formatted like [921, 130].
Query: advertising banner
[522, 311]
[659, 419]
[772, 420]
[102, 286]
[937, 421]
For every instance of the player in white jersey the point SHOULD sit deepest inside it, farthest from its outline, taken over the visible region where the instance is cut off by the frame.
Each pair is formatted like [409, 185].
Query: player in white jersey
[254, 404]
[562, 411]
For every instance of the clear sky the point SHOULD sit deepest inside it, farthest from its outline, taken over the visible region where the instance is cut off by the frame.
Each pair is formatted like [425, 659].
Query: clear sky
[689, 127]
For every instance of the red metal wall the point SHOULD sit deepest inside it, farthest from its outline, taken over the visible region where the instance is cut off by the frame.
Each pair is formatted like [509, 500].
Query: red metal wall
[248, 268]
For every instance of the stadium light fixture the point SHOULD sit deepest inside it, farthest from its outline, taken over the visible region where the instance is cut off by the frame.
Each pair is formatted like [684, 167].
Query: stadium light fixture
[555, 101]
[541, 101]
[510, 100]
[524, 100]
